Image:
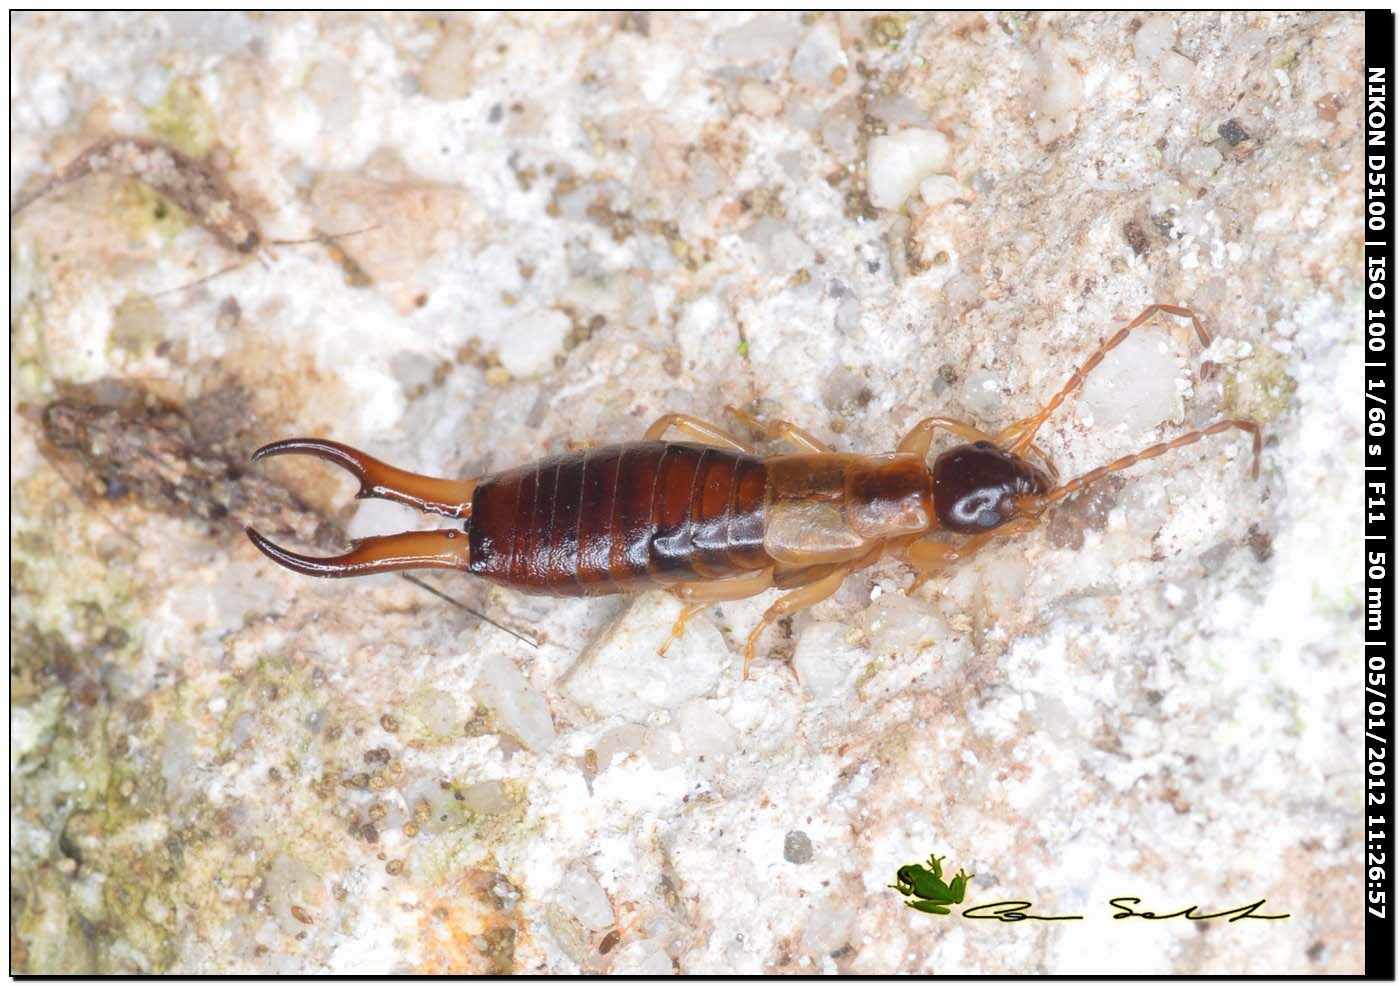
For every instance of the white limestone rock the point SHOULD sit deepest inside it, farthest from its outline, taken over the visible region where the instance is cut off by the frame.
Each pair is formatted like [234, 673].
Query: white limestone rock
[896, 163]
[827, 664]
[1135, 386]
[518, 709]
[622, 674]
[580, 894]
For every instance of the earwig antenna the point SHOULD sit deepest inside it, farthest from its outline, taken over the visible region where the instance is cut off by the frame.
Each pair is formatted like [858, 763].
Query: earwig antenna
[1038, 502]
[1017, 438]
[207, 277]
[321, 237]
[463, 606]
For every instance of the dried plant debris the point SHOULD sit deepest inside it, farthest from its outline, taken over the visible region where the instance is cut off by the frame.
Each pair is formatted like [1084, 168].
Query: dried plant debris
[355, 275]
[181, 461]
[190, 462]
[193, 185]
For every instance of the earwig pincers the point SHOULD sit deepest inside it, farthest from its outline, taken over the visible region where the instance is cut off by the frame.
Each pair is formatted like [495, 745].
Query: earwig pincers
[712, 521]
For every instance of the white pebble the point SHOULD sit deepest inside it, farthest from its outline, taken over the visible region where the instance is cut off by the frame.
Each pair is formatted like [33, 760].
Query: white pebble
[621, 673]
[840, 131]
[707, 179]
[32, 726]
[1056, 100]
[150, 88]
[1201, 161]
[486, 797]
[49, 97]
[898, 162]
[826, 665]
[818, 56]
[644, 958]
[828, 927]
[848, 314]
[897, 110]
[961, 289]
[760, 100]
[1003, 578]
[580, 894]
[1175, 69]
[517, 708]
[937, 189]
[448, 72]
[897, 624]
[766, 36]
[529, 347]
[619, 742]
[1061, 87]
[704, 731]
[784, 250]
[1135, 386]
[664, 748]
[1155, 36]
[982, 394]
[1167, 197]
[333, 87]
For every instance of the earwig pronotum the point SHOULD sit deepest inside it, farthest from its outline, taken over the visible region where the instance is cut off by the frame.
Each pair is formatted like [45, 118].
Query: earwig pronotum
[712, 521]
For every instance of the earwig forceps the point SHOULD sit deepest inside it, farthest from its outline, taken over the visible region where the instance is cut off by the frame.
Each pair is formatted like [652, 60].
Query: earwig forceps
[389, 552]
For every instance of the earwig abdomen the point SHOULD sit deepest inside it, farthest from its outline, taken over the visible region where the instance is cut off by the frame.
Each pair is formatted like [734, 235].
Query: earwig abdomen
[620, 518]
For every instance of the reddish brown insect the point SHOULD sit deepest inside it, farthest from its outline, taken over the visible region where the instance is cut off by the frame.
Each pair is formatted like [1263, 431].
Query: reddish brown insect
[713, 521]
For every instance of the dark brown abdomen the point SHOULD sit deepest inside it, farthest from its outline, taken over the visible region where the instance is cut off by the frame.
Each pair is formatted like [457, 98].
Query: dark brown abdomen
[619, 518]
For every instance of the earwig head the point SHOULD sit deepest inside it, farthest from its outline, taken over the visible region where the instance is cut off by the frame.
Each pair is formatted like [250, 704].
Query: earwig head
[975, 487]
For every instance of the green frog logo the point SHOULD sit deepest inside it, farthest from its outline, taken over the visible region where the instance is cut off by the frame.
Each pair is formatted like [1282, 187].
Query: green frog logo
[927, 885]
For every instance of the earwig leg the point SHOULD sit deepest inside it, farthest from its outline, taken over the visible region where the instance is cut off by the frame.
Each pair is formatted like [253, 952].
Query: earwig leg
[449, 497]
[710, 434]
[385, 553]
[929, 559]
[725, 590]
[780, 429]
[920, 438]
[799, 599]
[1022, 433]
[678, 628]
[1035, 504]
[701, 595]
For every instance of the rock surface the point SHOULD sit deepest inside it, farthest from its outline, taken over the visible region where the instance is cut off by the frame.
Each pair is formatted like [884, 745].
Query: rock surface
[558, 228]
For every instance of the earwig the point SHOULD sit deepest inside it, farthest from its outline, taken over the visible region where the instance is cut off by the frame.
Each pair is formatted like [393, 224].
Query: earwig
[712, 521]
